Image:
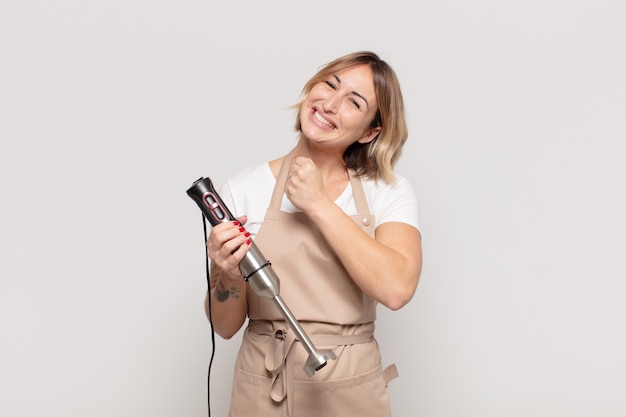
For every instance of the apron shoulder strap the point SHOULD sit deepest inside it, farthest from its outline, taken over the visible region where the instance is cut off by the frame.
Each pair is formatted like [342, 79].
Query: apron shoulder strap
[359, 194]
[281, 181]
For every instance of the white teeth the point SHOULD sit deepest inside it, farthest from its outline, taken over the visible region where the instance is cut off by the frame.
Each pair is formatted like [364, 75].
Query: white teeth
[322, 120]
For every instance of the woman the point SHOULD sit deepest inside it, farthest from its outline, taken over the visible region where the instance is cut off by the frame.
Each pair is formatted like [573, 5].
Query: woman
[341, 231]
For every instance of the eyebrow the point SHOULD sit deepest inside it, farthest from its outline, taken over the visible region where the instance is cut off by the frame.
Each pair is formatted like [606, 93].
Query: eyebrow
[353, 92]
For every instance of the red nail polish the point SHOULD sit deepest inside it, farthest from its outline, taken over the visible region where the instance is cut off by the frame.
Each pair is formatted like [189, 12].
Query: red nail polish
[247, 234]
[241, 229]
[236, 223]
[248, 242]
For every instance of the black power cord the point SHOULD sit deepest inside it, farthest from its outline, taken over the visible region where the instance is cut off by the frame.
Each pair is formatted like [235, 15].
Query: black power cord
[208, 281]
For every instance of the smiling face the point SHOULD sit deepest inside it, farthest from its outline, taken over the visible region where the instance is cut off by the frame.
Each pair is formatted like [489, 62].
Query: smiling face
[339, 109]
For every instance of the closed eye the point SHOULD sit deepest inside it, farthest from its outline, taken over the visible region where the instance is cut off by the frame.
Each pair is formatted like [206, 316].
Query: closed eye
[356, 103]
[331, 85]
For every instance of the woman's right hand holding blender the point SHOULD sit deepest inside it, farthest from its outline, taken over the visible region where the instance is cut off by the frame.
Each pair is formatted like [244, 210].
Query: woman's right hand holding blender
[227, 244]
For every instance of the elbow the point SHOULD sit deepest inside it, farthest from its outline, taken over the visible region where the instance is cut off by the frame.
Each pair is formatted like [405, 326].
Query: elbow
[226, 330]
[402, 295]
[397, 302]
[225, 334]
[402, 289]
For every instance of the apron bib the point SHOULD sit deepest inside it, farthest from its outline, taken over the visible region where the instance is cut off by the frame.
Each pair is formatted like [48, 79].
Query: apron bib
[332, 310]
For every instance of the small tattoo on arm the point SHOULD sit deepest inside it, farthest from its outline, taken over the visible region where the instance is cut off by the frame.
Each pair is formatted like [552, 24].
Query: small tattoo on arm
[222, 293]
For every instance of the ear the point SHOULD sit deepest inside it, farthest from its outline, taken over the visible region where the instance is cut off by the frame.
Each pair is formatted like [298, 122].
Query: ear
[370, 135]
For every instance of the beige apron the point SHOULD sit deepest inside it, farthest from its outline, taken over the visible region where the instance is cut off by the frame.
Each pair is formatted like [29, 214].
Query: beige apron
[333, 311]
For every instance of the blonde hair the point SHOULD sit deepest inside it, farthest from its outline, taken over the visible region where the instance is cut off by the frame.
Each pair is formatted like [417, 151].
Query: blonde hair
[377, 158]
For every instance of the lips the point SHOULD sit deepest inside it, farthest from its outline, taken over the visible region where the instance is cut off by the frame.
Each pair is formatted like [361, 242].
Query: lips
[323, 120]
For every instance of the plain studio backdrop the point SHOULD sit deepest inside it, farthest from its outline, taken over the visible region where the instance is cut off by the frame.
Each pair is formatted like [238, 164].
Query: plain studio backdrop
[109, 110]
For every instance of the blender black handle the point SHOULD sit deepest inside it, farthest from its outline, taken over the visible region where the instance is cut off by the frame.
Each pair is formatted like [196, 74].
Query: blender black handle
[214, 209]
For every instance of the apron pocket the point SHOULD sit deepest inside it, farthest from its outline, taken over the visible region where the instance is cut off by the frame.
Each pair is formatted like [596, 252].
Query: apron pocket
[251, 396]
[361, 395]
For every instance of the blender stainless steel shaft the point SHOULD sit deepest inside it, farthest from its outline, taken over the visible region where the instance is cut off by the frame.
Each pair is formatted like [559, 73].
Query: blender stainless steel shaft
[258, 272]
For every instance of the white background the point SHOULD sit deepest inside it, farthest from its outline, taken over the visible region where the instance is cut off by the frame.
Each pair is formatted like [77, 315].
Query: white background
[109, 110]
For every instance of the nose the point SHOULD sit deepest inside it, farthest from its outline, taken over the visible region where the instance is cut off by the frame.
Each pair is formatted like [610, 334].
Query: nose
[331, 103]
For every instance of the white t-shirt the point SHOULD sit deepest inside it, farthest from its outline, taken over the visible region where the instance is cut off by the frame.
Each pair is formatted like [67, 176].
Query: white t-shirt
[250, 192]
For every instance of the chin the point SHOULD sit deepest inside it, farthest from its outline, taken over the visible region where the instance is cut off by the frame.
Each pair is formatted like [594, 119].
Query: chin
[310, 132]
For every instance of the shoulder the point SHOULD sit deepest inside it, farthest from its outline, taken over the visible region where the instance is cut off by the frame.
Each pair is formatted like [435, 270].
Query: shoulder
[400, 187]
[250, 177]
[392, 201]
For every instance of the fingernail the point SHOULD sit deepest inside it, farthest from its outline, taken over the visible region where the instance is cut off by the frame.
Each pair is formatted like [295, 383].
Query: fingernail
[248, 242]
[236, 223]
[247, 234]
[241, 229]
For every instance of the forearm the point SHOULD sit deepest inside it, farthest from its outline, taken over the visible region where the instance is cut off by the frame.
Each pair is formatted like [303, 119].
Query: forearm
[386, 268]
[228, 303]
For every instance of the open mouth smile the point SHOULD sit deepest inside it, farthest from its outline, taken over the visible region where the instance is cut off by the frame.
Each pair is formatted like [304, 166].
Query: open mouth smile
[322, 120]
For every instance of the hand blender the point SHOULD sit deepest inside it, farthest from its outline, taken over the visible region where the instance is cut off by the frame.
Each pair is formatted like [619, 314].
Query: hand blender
[257, 271]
